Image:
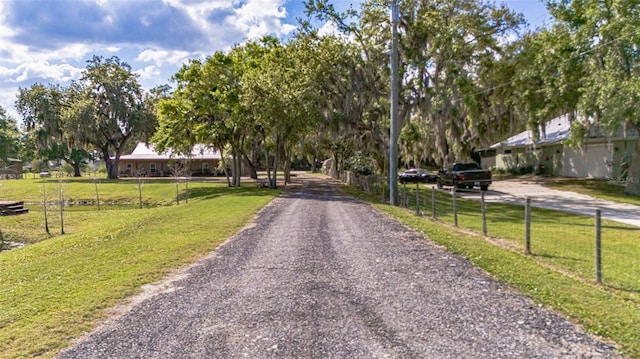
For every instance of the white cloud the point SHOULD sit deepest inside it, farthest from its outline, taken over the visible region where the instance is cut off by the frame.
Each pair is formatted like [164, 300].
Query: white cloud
[46, 71]
[252, 19]
[8, 99]
[5, 71]
[149, 72]
[4, 30]
[161, 57]
[19, 54]
[329, 29]
[257, 18]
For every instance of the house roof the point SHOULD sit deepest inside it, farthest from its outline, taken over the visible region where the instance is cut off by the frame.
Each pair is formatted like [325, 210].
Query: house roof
[559, 129]
[556, 130]
[148, 152]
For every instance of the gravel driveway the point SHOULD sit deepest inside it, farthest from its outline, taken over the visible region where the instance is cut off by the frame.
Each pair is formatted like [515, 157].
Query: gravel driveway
[321, 275]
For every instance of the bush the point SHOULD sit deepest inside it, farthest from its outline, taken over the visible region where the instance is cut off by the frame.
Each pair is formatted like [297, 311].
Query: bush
[67, 169]
[520, 170]
[360, 164]
[38, 166]
[498, 170]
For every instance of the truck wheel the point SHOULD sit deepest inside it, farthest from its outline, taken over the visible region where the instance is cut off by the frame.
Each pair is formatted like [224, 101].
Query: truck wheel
[484, 187]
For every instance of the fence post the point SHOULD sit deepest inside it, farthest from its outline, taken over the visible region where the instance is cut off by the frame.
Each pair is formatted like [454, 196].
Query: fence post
[455, 207]
[484, 214]
[433, 202]
[598, 247]
[404, 195]
[527, 226]
[417, 199]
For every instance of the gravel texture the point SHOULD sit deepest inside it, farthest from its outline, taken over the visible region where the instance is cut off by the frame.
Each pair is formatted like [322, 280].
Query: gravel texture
[321, 275]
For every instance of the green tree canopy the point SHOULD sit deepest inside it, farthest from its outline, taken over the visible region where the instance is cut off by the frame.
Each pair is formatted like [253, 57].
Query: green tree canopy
[42, 108]
[9, 137]
[599, 65]
[110, 109]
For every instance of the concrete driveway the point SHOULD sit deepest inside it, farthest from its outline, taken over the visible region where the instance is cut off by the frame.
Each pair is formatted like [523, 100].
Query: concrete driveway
[515, 192]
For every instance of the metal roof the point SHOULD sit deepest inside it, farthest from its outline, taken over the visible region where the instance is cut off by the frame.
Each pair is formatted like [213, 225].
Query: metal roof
[148, 152]
[556, 130]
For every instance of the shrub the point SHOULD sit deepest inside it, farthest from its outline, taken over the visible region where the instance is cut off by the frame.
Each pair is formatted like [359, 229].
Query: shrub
[360, 164]
[67, 169]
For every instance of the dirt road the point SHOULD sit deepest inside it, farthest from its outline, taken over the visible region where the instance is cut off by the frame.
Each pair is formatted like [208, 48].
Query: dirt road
[321, 275]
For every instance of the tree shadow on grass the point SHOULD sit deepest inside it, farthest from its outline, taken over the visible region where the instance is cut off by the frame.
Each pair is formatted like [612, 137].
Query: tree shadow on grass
[559, 257]
[623, 289]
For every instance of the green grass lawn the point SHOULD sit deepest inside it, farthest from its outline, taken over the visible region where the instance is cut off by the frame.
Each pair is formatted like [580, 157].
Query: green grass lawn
[560, 239]
[123, 192]
[560, 273]
[114, 195]
[598, 188]
[56, 289]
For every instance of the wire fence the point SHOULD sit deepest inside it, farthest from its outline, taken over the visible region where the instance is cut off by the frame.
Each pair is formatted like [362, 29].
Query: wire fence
[587, 247]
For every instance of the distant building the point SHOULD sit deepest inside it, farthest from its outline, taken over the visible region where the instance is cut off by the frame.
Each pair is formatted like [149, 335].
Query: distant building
[145, 161]
[601, 155]
[11, 169]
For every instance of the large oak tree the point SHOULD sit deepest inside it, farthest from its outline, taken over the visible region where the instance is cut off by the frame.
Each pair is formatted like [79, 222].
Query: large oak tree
[42, 108]
[112, 110]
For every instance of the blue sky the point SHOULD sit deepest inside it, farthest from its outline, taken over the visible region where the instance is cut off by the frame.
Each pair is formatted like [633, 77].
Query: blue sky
[50, 41]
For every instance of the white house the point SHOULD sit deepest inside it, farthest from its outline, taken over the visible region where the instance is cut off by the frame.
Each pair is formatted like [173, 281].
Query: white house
[144, 160]
[600, 156]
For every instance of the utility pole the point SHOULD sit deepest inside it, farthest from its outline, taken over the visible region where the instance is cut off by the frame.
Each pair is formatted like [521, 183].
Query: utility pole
[394, 126]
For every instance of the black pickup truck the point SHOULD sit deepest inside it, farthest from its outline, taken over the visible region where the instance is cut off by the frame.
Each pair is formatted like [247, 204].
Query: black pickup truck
[464, 175]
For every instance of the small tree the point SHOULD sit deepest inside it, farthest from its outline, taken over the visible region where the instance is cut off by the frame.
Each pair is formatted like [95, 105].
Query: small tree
[181, 170]
[140, 176]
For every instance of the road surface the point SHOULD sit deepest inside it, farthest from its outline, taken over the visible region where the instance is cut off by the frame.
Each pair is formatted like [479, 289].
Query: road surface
[322, 275]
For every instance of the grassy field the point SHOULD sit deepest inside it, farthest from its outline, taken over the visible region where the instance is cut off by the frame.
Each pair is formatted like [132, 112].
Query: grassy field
[81, 208]
[56, 289]
[124, 192]
[559, 274]
[599, 188]
[559, 239]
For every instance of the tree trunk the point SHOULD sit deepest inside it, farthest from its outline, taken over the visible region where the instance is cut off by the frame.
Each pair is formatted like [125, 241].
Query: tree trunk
[268, 167]
[112, 168]
[274, 184]
[253, 173]
[76, 169]
[224, 165]
[632, 185]
[237, 165]
[287, 171]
